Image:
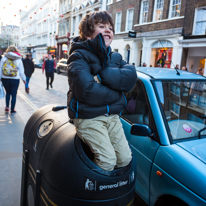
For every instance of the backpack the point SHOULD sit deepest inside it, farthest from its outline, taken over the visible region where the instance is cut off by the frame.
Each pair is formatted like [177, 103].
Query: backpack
[10, 68]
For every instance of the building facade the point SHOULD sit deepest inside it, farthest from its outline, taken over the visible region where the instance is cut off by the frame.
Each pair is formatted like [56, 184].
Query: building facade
[148, 31]
[9, 36]
[80, 8]
[64, 19]
[194, 38]
[38, 28]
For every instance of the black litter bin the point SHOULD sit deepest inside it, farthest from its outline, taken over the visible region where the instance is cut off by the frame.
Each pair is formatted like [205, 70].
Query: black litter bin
[58, 170]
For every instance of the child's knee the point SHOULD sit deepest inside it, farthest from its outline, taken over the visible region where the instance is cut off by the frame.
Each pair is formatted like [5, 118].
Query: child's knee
[124, 159]
[108, 163]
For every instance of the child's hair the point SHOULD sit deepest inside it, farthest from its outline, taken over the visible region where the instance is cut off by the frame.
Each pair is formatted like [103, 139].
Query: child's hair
[86, 25]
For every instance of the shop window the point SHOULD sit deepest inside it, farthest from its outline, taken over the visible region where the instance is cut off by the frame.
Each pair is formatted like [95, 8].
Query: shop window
[161, 55]
[158, 10]
[200, 21]
[175, 8]
[129, 21]
[144, 11]
[118, 22]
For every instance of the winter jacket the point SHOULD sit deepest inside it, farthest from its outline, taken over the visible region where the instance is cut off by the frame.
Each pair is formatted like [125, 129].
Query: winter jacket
[28, 67]
[87, 98]
[49, 65]
[17, 59]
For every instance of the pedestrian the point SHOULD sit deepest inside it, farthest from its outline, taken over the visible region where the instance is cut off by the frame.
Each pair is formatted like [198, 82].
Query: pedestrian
[49, 66]
[177, 66]
[184, 68]
[11, 69]
[28, 70]
[95, 95]
[144, 64]
[133, 63]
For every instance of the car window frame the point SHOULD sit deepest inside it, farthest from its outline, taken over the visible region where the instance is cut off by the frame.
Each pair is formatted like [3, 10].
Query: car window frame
[152, 123]
[172, 141]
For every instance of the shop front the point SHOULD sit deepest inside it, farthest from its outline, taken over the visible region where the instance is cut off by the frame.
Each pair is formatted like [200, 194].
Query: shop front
[161, 55]
[194, 53]
[62, 46]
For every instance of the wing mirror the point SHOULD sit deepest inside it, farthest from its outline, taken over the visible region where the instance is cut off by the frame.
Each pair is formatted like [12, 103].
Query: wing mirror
[141, 130]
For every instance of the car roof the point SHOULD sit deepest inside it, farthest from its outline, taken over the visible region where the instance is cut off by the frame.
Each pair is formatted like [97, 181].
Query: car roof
[166, 73]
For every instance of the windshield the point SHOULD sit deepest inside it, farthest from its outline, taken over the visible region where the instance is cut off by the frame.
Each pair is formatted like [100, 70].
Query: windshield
[184, 106]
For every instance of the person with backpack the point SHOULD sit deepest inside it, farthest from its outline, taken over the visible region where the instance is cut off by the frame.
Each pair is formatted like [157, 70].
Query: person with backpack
[11, 69]
[28, 70]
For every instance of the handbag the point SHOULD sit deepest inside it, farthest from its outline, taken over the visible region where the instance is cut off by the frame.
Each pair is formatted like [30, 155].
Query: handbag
[2, 94]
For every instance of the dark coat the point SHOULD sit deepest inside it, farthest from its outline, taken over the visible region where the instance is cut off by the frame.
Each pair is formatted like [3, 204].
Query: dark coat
[87, 98]
[28, 67]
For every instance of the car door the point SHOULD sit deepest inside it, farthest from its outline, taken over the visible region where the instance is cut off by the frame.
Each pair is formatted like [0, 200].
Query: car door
[143, 148]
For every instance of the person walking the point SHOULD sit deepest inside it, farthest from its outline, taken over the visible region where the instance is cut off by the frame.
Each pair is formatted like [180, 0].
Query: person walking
[49, 66]
[28, 70]
[11, 69]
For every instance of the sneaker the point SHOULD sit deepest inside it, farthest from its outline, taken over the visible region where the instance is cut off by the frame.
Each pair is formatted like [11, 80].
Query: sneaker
[6, 109]
[13, 111]
[51, 86]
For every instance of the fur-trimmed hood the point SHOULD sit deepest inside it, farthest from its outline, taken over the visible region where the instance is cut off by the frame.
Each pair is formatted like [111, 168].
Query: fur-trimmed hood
[12, 55]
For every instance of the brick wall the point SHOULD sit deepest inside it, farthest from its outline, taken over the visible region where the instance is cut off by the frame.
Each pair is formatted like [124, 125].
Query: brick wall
[190, 14]
[125, 4]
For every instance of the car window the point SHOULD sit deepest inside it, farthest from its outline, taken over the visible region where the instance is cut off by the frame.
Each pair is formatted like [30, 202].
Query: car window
[184, 106]
[137, 110]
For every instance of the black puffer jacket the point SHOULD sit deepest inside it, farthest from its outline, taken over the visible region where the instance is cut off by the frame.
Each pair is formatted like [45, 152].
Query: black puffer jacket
[87, 98]
[28, 67]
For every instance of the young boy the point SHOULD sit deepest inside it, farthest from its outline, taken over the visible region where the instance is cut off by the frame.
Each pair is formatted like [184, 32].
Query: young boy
[94, 105]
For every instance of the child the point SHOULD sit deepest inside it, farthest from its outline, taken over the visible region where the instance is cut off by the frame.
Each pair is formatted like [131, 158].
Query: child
[94, 105]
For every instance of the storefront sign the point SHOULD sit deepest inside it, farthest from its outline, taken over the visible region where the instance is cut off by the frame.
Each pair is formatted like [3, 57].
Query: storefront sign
[62, 40]
[132, 34]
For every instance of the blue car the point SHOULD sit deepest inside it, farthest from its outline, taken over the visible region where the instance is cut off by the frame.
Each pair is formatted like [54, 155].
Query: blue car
[165, 124]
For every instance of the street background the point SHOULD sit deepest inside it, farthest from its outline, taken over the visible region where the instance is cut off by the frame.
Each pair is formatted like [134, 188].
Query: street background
[12, 128]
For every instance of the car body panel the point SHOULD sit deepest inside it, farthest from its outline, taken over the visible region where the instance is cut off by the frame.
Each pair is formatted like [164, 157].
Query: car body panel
[164, 73]
[182, 163]
[144, 150]
[62, 66]
[196, 147]
[168, 185]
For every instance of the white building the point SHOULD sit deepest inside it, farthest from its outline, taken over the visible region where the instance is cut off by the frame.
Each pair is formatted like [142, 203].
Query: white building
[38, 28]
[79, 10]
[9, 36]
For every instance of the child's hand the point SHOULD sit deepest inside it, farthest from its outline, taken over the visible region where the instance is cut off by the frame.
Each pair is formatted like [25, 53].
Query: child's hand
[97, 79]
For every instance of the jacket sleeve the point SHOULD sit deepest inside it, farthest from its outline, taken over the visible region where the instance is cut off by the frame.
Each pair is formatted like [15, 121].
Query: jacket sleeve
[83, 85]
[21, 70]
[1, 67]
[121, 79]
[43, 66]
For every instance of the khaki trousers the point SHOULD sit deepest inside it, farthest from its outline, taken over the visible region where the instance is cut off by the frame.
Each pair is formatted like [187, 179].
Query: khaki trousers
[106, 139]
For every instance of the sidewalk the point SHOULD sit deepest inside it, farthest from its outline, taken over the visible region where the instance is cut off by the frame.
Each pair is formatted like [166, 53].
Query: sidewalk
[11, 136]
[12, 128]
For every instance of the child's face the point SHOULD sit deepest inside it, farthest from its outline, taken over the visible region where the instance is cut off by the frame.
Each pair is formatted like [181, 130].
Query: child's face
[106, 30]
